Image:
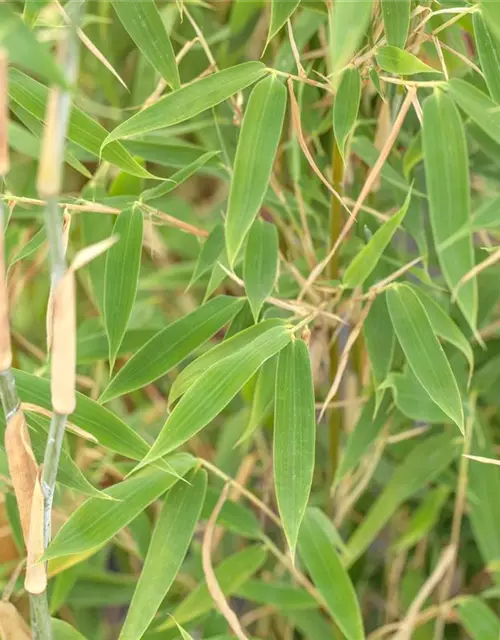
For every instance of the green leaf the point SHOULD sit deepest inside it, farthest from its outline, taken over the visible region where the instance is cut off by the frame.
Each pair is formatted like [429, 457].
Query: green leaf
[144, 24]
[167, 550]
[345, 107]
[97, 521]
[412, 399]
[231, 574]
[123, 263]
[491, 14]
[110, 431]
[260, 267]
[294, 437]
[82, 130]
[396, 15]
[423, 520]
[488, 49]
[448, 185]
[185, 103]
[477, 105]
[348, 22]
[317, 551]
[281, 10]
[401, 62]
[228, 347]
[380, 340]
[211, 250]
[279, 595]
[263, 397]
[210, 394]
[421, 466]
[478, 619]
[179, 176]
[233, 516]
[24, 49]
[61, 630]
[423, 351]
[171, 345]
[257, 145]
[184, 634]
[366, 260]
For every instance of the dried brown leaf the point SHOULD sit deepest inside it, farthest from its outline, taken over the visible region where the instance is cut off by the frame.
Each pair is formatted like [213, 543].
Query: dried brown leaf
[12, 624]
[63, 362]
[36, 572]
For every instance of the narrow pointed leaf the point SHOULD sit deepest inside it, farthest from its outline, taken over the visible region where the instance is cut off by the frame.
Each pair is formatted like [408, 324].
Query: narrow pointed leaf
[488, 49]
[348, 23]
[168, 547]
[478, 619]
[61, 630]
[189, 101]
[144, 24]
[226, 348]
[490, 10]
[83, 131]
[294, 437]
[318, 553]
[97, 521]
[281, 10]
[479, 107]
[401, 62]
[448, 185]
[209, 253]
[263, 397]
[366, 260]
[396, 15]
[210, 394]
[171, 345]
[346, 106]
[123, 263]
[380, 340]
[260, 267]
[257, 145]
[423, 351]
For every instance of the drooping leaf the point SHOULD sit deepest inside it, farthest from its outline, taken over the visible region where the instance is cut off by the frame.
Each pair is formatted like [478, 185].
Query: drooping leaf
[380, 340]
[257, 144]
[317, 551]
[260, 266]
[168, 547]
[281, 10]
[447, 177]
[226, 348]
[97, 521]
[123, 263]
[424, 463]
[171, 345]
[211, 393]
[345, 107]
[348, 22]
[144, 24]
[82, 130]
[185, 103]
[423, 351]
[366, 260]
[488, 49]
[401, 62]
[396, 14]
[294, 437]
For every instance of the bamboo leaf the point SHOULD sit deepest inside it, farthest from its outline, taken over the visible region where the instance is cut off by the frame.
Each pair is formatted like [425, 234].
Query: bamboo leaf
[345, 107]
[210, 394]
[281, 11]
[279, 595]
[25, 49]
[226, 348]
[421, 466]
[233, 516]
[211, 250]
[348, 22]
[380, 340]
[401, 62]
[448, 184]
[317, 551]
[263, 397]
[366, 260]
[488, 49]
[477, 106]
[423, 351]
[412, 399]
[396, 15]
[294, 437]
[257, 144]
[169, 545]
[61, 630]
[491, 14]
[185, 103]
[260, 267]
[171, 345]
[121, 277]
[97, 521]
[478, 619]
[82, 130]
[144, 24]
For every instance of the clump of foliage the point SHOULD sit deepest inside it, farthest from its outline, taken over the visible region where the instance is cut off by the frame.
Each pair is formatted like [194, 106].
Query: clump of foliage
[249, 331]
